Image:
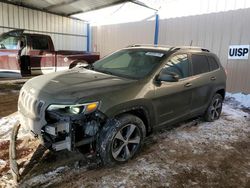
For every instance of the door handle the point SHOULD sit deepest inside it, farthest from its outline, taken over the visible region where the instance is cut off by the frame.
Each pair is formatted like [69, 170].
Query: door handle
[188, 85]
[213, 78]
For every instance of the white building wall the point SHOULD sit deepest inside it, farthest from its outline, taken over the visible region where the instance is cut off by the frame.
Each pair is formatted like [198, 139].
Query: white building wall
[66, 33]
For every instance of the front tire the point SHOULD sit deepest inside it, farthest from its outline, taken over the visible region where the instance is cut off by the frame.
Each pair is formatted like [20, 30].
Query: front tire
[214, 110]
[121, 139]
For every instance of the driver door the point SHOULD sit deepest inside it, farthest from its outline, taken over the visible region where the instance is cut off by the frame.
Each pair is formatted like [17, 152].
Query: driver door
[173, 99]
[9, 54]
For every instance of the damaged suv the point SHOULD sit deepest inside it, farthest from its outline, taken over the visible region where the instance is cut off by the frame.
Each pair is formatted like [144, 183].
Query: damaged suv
[113, 104]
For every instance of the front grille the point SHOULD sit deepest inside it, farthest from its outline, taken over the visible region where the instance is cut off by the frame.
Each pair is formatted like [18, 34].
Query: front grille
[30, 104]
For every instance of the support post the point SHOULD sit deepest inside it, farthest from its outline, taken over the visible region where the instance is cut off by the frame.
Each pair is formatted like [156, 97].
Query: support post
[156, 29]
[88, 37]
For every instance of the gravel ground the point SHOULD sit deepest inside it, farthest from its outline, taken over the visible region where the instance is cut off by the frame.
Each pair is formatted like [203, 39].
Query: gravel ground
[192, 154]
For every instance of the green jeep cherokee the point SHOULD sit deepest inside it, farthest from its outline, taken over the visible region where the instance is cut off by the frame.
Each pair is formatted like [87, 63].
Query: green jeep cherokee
[113, 104]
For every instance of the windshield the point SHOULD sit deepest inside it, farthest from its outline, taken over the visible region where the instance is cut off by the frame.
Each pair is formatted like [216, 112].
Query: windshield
[131, 63]
[8, 42]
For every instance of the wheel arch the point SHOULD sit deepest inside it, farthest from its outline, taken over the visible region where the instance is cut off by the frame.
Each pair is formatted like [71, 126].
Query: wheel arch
[140, 113]
[222, 92]
[140, 110]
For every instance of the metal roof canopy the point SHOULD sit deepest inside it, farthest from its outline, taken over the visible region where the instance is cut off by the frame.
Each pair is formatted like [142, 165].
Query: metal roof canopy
[68, 7]
[65, 7]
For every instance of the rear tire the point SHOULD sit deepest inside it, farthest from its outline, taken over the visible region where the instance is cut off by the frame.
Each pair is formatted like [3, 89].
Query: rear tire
[121, 139]
[214, 110]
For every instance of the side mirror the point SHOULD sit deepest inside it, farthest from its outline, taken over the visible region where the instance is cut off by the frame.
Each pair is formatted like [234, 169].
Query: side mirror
[168, 76]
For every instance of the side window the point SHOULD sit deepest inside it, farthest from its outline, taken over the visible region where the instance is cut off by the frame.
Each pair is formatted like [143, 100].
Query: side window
[9, 43]
[212, 63]
[200, 64]
[178, 64]
[40, 43]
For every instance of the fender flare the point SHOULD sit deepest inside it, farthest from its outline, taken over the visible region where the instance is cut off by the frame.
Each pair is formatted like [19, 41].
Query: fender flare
[139, 104]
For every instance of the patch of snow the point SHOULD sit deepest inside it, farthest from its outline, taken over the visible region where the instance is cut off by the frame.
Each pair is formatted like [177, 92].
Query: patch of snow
[143, 168]
[235, 113]
[6, 125]
[6, 182]
[231, 127]
[241, 98]
[150, 168]
[2, 162]
[47, 177]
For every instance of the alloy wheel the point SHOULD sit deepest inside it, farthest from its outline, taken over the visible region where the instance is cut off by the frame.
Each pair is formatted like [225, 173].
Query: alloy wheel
[126, 142]
[215, 109]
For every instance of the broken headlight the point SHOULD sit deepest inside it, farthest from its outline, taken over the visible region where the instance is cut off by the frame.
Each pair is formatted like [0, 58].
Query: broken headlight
[75, 109]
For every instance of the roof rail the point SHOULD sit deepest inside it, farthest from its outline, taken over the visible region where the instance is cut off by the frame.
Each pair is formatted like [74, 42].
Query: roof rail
[171, 47]
[148, 45]
[190, 47]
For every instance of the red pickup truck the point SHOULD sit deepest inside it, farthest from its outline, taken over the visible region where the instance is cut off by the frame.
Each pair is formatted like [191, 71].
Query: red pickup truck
[28, 54]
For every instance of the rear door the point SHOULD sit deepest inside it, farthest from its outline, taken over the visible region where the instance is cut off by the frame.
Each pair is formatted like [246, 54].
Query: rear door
[173, 99]
[42, 57]
[202, 82]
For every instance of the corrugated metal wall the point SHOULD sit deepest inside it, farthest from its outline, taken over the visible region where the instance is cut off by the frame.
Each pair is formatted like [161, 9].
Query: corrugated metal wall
[215, 31]
[107, 39]
[67, 33]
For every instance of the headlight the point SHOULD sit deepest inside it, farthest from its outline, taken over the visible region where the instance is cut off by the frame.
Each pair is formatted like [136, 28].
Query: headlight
[75, 109]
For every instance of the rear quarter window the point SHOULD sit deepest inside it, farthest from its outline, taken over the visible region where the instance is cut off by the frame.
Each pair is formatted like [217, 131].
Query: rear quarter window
[213, 64]
[200, 64]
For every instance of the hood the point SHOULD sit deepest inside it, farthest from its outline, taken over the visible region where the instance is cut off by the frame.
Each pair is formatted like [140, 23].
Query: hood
[77, 83]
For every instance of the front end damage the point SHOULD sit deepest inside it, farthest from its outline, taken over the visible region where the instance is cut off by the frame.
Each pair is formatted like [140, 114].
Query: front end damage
[65, 131]
[56, 128]
[59, 126]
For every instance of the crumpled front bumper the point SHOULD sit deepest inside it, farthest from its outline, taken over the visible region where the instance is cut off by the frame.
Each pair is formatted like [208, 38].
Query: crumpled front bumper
[35, 124]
